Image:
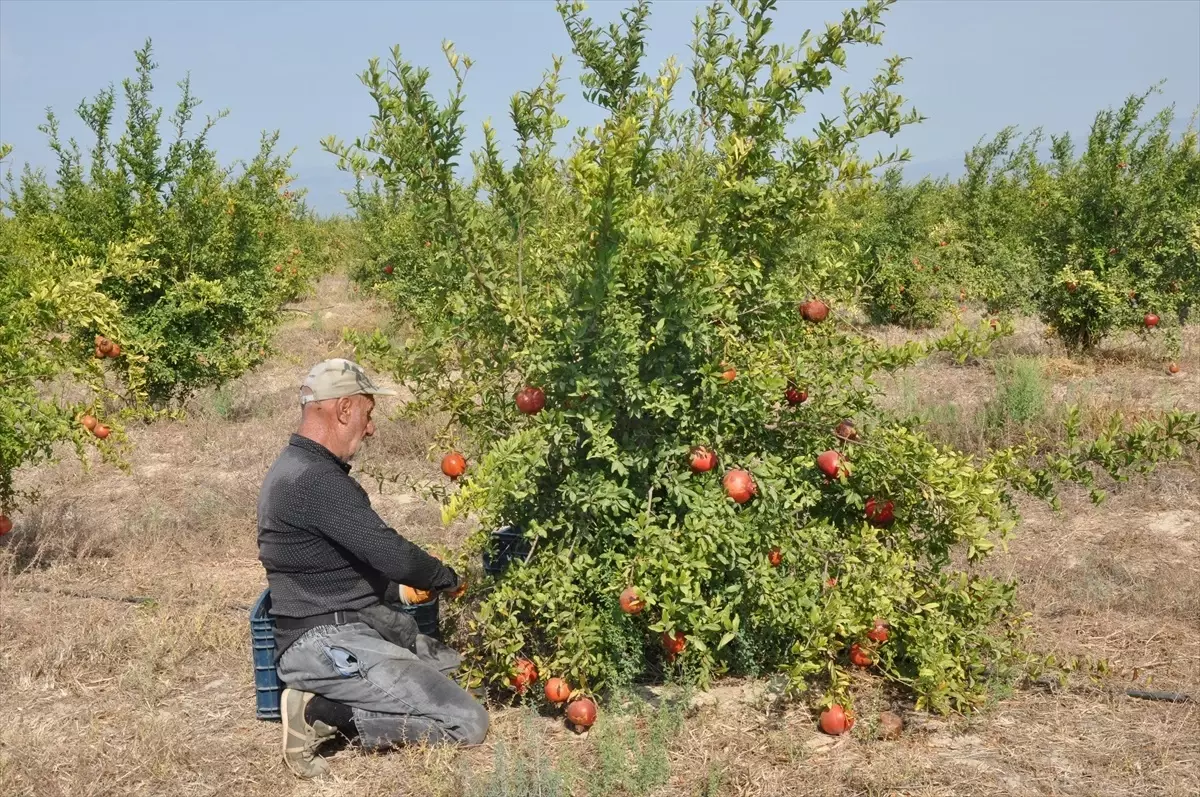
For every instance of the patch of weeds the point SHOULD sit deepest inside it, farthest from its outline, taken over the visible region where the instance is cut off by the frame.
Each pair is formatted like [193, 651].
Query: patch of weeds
[522, 771]
[633, 749]
[222, 403]
[1021, 395]
[712, 784]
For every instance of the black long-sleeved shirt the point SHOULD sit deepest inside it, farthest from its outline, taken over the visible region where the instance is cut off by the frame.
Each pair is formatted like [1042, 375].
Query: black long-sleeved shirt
[323, 546]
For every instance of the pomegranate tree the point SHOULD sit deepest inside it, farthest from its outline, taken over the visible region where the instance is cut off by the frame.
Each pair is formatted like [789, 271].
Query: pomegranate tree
[644, 268]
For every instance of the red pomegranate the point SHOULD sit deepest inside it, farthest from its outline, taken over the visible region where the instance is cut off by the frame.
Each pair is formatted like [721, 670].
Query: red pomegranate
[702, 459]
[880, 513]
[814, 310]
[830, 463]
[530, 400]
[631, 603]
[581, 713]
[739, 485]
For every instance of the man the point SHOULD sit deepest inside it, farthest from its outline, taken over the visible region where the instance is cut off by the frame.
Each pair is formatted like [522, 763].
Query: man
[349, 659]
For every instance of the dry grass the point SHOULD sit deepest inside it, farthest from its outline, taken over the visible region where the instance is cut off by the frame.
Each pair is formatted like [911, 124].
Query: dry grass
[125, 648]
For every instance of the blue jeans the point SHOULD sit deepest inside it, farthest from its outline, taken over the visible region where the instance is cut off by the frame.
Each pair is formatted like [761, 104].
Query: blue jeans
[398, 695]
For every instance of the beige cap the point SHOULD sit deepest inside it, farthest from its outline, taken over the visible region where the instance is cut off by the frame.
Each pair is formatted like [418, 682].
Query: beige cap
[337, 378]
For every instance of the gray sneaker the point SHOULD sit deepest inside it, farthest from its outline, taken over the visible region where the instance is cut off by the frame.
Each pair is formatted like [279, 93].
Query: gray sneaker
[301, 740]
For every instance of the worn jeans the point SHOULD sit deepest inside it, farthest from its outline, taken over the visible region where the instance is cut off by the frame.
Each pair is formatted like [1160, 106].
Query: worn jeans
[398, 695]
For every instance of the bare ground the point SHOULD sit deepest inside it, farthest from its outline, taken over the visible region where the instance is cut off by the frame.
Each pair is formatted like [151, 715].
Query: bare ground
[126, 657]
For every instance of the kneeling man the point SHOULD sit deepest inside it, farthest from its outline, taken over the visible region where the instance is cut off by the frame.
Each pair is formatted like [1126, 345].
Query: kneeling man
[349, 659]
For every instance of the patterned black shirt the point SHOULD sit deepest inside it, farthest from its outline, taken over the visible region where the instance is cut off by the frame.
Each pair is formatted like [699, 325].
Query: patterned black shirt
[323, 546]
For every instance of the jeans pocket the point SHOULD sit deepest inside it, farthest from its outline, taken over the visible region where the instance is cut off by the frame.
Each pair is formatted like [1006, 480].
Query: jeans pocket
[345, 662]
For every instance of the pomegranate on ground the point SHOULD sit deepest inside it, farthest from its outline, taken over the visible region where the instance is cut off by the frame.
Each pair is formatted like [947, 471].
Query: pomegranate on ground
[835, 720]
[581, 714]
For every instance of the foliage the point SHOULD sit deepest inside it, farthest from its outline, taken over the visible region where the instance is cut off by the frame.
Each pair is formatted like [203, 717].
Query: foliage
[180, 262]
[48, 312]
[1123, 211]
[222, 240]
[620, 279]
[1096, 240]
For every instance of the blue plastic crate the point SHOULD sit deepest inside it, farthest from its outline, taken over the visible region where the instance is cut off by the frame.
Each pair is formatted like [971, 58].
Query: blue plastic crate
[426, 614]
[267, 686]
[505, 544]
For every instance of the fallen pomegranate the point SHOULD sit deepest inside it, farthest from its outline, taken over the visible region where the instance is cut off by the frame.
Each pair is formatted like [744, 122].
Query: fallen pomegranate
[581, 714]
[880, 513]
[530, 400]
[526, 674]
[879, 632]
[388, 269]
[890, 725]
[453, 465]
[1150, 320]
[631, 603]
[814, 310]
[729, 373]
[5, 525]
[1173, 368]
[859, 657]
[702, 459]
[100, 431]
[557, 691]
[775, 557]
[795, 396]
[835, 720]
[89, 422]
[739, 485]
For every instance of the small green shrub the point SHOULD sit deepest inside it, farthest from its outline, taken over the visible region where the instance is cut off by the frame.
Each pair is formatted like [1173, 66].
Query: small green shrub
[1021, 395]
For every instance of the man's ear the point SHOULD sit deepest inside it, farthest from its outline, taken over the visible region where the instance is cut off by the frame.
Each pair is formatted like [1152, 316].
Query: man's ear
[345, 409]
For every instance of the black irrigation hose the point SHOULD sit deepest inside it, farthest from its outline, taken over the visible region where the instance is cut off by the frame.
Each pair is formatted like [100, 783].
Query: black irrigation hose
[1169, 697]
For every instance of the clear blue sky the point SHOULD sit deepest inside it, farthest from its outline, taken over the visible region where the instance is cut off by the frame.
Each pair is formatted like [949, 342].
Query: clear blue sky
[976, 65]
